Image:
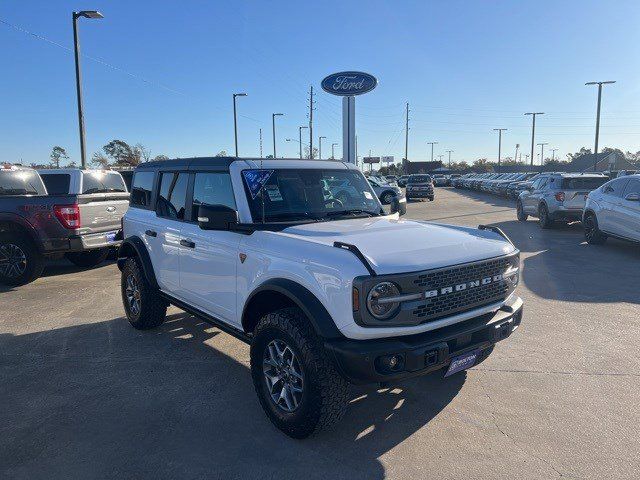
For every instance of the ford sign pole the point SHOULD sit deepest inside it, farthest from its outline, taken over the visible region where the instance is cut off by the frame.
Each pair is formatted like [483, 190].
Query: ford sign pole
[348, 85]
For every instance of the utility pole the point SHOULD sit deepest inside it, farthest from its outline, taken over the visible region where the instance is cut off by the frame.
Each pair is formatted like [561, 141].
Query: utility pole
[76, 49]
[333, 157]
[542, 154]
[300, 137]
[533, 132]
[311, 123]
[449, 152]
[320, 147]
[499, 130]
[406, 140]
[260, 143]
[273, 124]
[432, 144]
[595, 150]
[235, 120]
[553, 154]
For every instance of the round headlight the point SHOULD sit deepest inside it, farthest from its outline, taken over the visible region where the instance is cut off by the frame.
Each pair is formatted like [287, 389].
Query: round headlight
[376, 303]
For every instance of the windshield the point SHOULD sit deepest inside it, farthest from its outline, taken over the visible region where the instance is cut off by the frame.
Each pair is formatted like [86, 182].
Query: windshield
[101, 182]
[21, 182]
[420, 179]
[308, 194]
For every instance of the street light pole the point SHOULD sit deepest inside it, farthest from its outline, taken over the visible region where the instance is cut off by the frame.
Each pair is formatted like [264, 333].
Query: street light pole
[432, 144]
[94, 14]
[320, 147]
[553, 154]
[300, 137]
[595, 150]
[542, 154]
[235, 121]
[499, 130]
[273, 124]
[333, 156]
[533, 132]
[449, 152]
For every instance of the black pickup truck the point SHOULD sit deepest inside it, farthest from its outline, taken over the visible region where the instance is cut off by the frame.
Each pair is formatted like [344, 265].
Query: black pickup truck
[35, 225]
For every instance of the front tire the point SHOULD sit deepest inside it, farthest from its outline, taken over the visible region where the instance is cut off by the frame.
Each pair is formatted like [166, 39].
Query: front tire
[387, 198]
[20, 260]
[295, 378]
[592, 233]
[522, 217]
[88, 258]
[144, 306]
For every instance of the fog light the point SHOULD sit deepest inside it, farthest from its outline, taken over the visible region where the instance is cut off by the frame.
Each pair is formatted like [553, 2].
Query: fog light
[390, 363]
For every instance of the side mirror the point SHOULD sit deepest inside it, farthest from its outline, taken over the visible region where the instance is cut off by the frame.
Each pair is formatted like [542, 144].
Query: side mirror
[399, 205]
[632, 197]
[217, 217]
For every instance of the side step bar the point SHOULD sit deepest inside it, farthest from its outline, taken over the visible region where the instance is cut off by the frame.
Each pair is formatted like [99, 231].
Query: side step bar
[239, 334]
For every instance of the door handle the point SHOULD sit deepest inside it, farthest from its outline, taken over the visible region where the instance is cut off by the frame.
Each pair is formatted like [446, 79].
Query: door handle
[151, 233]
[187, 243]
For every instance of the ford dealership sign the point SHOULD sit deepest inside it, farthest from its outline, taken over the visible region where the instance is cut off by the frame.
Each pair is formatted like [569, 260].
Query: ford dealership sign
[349, 83]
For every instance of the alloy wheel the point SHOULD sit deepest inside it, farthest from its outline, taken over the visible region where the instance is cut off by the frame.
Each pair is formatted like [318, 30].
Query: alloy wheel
[13, 260]
[283, 375]
[132, 292]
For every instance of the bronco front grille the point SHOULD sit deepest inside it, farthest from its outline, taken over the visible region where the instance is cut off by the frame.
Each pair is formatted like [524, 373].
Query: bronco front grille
[470, 296]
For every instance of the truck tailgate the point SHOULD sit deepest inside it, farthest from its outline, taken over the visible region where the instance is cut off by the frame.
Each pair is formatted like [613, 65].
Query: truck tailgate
[101, 212]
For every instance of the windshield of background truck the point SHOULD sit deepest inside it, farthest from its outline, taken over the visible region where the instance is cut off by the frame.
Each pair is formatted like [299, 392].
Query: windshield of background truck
[299, 194]
[419, 179]
[21, 182]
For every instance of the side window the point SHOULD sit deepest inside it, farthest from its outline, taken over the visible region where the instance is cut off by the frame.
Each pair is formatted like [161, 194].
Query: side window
[543, 183]
[536, 184]
[614, 187]
[56, 183]
[172, 195]
[211, 188]
[632, 187]
[141, 189]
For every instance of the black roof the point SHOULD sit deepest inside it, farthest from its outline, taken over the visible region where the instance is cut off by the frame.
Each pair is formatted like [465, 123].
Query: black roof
[223, 162]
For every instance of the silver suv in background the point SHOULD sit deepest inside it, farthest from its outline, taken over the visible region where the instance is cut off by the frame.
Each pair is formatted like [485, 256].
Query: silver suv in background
[613, 210]
[385, 192]
[420, 186]
[557, 197]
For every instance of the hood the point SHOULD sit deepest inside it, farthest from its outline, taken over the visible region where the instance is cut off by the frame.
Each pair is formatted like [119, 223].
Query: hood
[395, 245]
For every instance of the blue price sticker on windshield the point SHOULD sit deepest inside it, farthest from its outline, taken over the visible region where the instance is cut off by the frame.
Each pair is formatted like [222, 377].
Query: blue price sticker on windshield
[256, 179]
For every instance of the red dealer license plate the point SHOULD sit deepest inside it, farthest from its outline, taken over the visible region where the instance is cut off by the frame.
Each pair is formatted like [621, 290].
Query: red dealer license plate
[462, 362]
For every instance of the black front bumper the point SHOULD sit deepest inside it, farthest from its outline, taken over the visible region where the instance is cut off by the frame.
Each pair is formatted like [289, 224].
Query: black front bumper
[363, 361]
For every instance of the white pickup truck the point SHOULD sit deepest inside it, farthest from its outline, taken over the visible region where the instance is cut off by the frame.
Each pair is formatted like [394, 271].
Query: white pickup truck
[327, 291]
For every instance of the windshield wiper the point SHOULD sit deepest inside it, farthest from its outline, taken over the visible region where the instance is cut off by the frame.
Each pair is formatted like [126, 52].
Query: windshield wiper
[353, 211]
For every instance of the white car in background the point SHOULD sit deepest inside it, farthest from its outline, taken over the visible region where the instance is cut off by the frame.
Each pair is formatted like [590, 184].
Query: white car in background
[439, 180]
[613, 210]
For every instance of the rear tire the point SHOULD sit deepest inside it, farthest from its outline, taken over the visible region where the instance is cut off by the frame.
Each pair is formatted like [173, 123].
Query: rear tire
[315, 395]
[387, 198]
[592, 233]
[89, 258]
[144, 306]
[543, 217]
[20, 260]
[522, 217]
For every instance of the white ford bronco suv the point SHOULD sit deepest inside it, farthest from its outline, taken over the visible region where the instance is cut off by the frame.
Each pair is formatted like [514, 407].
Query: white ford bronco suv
[327, 289]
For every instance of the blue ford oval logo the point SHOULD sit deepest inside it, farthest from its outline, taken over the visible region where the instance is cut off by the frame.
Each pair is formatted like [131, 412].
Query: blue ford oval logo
[349, 83]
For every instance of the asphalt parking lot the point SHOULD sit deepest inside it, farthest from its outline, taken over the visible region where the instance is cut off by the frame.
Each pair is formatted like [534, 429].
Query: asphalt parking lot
[83, 395]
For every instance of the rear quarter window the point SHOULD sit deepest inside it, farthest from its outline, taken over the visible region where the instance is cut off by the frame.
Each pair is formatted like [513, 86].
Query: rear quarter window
[583, 183]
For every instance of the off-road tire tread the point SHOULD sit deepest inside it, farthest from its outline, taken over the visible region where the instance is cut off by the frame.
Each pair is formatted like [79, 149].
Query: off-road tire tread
[153, 307]
[330, 406]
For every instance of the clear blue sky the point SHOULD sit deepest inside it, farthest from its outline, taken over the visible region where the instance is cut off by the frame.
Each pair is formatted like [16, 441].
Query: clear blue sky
[466, 67]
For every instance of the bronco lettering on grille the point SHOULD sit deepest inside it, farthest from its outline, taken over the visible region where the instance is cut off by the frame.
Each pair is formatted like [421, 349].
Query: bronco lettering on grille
[462, 286]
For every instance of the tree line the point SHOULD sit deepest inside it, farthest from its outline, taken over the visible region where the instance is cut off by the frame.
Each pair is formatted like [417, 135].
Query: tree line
[116, 153]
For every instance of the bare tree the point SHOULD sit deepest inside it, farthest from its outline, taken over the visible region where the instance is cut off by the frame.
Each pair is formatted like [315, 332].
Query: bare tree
[57, 154]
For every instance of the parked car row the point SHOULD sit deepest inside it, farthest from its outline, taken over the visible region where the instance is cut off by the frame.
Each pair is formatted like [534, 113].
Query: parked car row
[54, 213]
[505, 184]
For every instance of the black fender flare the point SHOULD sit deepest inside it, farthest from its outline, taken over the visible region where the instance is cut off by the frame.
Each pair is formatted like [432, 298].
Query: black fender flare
[313, 308]
[25, 226]
[134, 246]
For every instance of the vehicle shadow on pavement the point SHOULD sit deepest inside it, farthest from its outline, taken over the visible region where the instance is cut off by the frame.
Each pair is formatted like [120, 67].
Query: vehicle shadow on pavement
[487, 198]
[102, 400]
[64, 267]
[558, 264]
